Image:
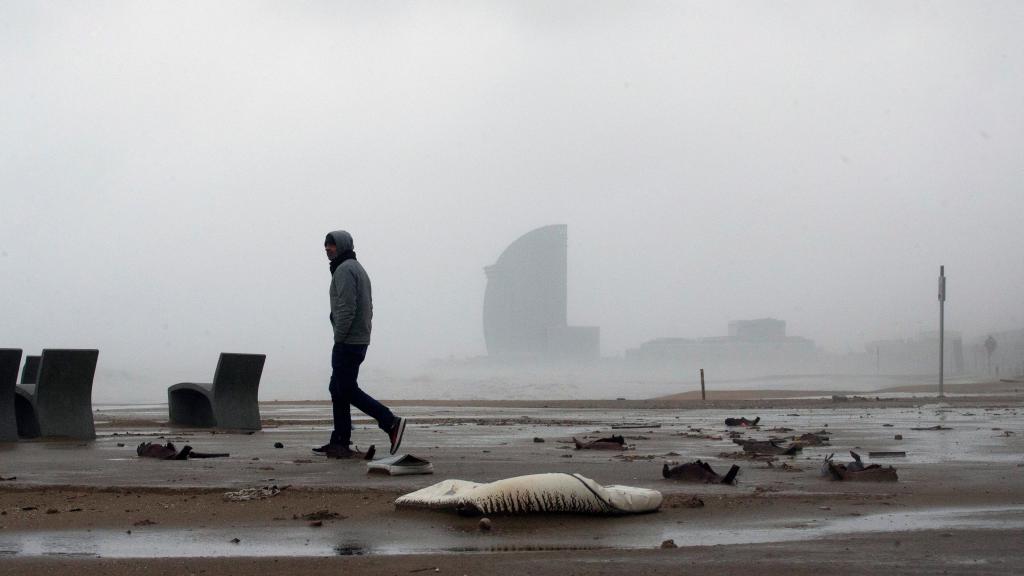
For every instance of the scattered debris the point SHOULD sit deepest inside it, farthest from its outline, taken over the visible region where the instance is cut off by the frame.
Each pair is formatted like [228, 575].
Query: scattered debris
[626, 425]
[857, 471]
[246, 494]
[698, 471]
[898, 437]
[839, 398]
[754, 456]
[169, 452]
[538, 440]
[936, 427]
[8, 478]
[813, 439]
[895, 454]
[670, 543]
[162, 452]
[699, 435]
[234, 541]
[401, 465]
[742, 422]
[785, 466]
[611, 443]
[316, 524]
[278, 445]
[322, 514]
[144, 522]
[768, 447]
[635, 457]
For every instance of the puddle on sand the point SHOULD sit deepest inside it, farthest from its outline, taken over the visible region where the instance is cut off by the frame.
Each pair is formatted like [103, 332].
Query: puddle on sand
[164, 543]
[786, 531]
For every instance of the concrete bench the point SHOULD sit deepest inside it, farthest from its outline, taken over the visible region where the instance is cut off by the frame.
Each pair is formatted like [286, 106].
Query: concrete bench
[60, 402]
[10, 360]
[30, 373]
[230, 401]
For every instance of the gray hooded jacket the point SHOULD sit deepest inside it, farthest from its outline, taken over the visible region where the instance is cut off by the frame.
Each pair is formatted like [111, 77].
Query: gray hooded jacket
[351, 301]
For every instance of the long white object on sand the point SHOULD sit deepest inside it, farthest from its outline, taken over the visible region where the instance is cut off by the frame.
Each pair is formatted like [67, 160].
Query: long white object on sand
[554, 492]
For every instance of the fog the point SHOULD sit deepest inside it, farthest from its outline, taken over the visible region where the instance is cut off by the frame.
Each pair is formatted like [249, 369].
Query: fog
[168, 172]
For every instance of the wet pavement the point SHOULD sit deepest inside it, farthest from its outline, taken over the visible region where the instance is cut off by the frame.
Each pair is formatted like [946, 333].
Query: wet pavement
[355, 541]
[486, 444]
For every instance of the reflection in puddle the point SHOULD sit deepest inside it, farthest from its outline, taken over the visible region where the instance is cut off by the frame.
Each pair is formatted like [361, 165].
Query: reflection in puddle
[522, 548]
[938, 519]
[255, 542]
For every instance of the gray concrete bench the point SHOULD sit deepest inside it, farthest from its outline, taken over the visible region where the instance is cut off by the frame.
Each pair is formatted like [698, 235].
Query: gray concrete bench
[230, 401]
[60, 402]
[10, 360]
[30, 373]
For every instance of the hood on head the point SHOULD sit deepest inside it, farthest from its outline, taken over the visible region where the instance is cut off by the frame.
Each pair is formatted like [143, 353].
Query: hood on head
[343, 240]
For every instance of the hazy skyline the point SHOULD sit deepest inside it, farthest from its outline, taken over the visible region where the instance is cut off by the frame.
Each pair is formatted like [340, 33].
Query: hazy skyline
[169, 171]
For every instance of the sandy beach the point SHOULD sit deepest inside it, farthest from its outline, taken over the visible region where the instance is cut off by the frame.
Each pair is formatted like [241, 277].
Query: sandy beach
[958, 507]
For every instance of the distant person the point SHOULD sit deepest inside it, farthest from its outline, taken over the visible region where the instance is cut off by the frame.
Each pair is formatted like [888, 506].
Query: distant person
[351, 315]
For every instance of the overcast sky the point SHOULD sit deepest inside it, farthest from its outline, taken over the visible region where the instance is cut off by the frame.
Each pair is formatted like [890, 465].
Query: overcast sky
[168, 172]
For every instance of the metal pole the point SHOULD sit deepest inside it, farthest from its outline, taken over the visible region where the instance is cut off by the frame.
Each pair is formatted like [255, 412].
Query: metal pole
[702, 396]
[942, 325]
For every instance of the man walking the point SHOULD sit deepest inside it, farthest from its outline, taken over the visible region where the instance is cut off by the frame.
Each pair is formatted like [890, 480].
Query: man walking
[351, 316]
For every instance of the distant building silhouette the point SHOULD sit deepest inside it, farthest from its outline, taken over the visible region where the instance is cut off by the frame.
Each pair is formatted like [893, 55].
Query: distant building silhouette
[526, 300]
[762, 329]
[752, 347]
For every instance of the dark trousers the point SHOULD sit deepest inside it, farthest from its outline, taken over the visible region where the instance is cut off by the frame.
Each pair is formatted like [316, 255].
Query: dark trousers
[345, 391]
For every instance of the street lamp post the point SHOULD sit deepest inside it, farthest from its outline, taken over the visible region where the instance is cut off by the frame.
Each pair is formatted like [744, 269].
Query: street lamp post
[942, 325]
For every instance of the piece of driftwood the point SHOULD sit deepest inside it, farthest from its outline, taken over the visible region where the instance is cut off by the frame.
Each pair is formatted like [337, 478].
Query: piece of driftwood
[812, 439]
[698, 471]
[742, 422]
[170, 452]
[610, 443]
[886, 454]
[856, 471]
[768, 447]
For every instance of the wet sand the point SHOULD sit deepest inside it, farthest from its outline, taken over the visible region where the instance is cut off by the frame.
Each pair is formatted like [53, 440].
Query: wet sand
[94, 508]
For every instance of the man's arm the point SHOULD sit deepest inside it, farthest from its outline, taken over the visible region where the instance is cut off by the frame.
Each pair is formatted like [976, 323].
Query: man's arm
[343, 308]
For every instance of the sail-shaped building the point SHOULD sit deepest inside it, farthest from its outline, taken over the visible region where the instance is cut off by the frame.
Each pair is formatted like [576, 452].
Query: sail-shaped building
[526, 300]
